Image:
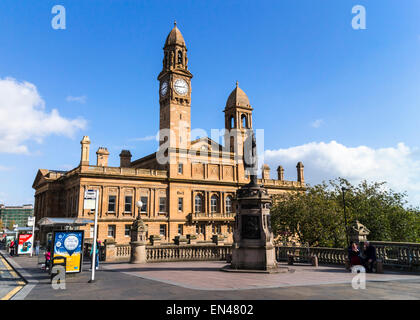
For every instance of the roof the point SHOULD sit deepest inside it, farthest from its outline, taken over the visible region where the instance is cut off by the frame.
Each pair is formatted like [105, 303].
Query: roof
[175, 37]
[24, 229]
[63, 221]
[237, 98]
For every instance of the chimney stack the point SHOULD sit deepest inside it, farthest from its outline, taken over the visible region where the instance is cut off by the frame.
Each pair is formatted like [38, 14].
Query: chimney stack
[280, 173]
[102, 157]
[125, 159]
[265, 171]
[300, 177]
[84, 160]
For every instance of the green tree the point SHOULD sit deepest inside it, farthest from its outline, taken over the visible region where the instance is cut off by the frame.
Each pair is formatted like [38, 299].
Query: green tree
[316, 216]
[10, 225]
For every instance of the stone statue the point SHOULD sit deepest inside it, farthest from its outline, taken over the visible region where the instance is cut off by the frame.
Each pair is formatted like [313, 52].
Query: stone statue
[251, 157]
[358, 232]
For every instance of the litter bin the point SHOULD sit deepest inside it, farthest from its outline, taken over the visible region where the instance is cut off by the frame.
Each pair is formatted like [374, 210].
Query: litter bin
[58, 261]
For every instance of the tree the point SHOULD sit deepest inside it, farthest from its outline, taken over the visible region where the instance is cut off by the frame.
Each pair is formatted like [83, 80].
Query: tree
[316, 216]
[10, 225]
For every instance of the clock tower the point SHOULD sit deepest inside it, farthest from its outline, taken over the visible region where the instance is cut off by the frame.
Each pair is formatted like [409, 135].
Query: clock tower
[175, 94]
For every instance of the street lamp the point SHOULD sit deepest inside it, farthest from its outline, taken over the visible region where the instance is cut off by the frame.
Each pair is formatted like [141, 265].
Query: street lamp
[139, 204]
[345, 216]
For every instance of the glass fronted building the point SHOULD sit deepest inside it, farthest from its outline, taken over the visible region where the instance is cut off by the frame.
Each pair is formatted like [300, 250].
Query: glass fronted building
[10, 215]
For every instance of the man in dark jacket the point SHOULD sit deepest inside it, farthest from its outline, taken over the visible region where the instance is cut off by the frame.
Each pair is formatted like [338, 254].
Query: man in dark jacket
[370, 256]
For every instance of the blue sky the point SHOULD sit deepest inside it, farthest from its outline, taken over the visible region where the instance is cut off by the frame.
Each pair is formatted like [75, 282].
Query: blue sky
[344, 101]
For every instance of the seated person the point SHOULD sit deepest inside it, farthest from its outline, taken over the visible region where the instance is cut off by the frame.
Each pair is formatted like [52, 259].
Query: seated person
[354, 255]
[370, 256]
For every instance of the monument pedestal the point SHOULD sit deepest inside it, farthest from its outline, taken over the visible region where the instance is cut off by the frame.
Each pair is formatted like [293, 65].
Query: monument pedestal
[138, 241]
[138, 252]
[253, 247]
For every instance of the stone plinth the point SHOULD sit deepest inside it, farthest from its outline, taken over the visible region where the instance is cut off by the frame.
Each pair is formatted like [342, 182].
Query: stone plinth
[180, 240]
[155, 240]
[110, 250]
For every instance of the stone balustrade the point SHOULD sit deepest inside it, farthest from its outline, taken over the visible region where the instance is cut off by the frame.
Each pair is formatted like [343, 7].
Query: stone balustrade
[163, 253]
[325, 255]
[393, 254]
[398, 254]
[187, 253]
[125, 171]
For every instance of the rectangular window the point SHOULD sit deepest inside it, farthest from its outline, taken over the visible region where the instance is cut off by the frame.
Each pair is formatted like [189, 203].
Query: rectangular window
[143, 208]
[180, 168]
[111, 203]
[219, 229]
[111, 231]
[197, 229]
[128, 203]
[180, 229]
[180, 204]
[162, 204]
[213, 228]
[127, 230]
[203, 229]
[162, 230]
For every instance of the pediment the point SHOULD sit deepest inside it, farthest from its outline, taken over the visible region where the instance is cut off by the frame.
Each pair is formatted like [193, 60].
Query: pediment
[205, 144]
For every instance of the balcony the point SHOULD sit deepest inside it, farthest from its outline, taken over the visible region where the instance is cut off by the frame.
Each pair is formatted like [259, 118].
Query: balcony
[207, 217]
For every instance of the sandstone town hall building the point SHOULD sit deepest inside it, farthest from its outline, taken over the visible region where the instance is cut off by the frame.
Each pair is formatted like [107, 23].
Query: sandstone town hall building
[191, 194]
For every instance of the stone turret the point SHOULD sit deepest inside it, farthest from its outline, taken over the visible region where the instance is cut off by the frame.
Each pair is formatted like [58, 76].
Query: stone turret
[125, 159]
[102, 157]
[84, 160]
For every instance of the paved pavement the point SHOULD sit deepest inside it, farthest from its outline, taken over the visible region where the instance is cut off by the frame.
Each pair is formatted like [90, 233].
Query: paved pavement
[10, 282]
[204, 281]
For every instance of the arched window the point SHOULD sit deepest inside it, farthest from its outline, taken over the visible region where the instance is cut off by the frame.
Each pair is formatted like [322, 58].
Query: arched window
[214, 203]
[232, 122]
[244, 121]
[179, 57]
[228, 204]
[198, 201]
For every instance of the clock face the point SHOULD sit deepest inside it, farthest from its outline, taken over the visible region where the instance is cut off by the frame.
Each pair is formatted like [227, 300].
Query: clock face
[181, 87]
[163, 88]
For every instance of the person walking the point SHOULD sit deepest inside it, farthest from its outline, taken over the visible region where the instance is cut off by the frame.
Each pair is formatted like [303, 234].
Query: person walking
[98, 244]
[48, 258]
[12, 248]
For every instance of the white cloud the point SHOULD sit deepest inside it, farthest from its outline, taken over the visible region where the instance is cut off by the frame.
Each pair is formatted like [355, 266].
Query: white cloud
[81, 99]
[24, 118]
[317, 123]
[399, 166]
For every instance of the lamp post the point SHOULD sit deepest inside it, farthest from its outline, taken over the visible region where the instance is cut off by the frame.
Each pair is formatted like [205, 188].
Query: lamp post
[345, 216]
[139, 204]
